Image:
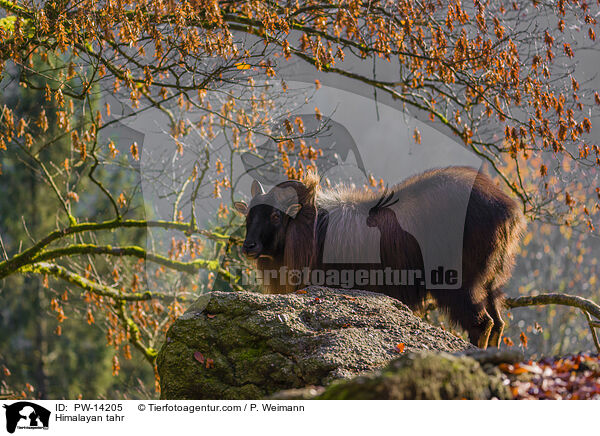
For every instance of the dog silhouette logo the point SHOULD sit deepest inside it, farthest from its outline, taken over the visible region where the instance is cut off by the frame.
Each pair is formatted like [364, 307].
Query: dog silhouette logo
[26, 415]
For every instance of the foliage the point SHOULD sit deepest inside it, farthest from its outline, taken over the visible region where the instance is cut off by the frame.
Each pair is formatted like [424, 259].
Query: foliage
[573, 377]
[53, 345]
[500, 78]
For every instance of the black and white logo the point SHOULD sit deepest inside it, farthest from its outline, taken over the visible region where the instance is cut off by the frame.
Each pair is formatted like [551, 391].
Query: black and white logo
[26, 415]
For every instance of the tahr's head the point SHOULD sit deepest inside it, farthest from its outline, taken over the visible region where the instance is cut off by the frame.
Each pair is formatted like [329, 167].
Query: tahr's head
[268, 217]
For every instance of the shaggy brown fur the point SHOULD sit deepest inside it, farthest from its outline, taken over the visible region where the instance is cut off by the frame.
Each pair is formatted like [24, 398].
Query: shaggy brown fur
[335, 220]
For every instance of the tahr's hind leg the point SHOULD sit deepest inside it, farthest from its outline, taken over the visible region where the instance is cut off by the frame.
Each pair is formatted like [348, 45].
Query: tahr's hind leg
[495, 304]
[469, 313]
[479, 333]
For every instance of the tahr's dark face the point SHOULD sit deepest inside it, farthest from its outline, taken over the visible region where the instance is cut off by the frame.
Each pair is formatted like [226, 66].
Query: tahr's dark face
[265, 231]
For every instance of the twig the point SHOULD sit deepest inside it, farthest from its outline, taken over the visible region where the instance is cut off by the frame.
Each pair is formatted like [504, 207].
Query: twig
[562, 299]
[593, 326]
[85, 284]
[135, 251]
[9, 266]
[588, 307]
[3, 249]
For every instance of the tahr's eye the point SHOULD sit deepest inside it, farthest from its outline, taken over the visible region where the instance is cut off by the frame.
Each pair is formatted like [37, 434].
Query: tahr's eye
[275, 217]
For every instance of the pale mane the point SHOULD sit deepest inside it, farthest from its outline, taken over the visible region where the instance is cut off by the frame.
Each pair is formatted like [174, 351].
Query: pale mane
[348, 238]
[344, 196]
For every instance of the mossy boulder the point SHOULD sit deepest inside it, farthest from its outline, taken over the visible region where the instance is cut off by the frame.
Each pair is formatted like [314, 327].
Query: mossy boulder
[244, 345]
[423, 376]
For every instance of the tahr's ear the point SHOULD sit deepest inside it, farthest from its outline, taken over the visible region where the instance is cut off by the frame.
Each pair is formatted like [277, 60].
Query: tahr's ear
[241, 207]
[293, 209]
[256, 189]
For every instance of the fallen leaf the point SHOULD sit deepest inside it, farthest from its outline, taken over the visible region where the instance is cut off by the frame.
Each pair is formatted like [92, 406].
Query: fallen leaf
[505, 367]
[520, 370]
[523, 339]
[508, 341]
[533, 369]
[400, 347]
[199, 357]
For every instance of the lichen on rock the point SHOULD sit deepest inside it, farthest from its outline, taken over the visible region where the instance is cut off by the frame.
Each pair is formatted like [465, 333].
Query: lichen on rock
[244, 345]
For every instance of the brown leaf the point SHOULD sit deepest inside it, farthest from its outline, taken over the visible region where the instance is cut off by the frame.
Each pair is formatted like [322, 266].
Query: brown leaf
[199, 356]
[508, 341]
[505, 367]
[523, 339]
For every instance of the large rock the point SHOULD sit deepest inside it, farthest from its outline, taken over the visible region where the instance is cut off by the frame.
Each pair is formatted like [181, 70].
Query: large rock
[243, 345]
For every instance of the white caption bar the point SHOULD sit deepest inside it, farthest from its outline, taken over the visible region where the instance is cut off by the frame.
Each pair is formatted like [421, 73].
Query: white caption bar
[155, 417]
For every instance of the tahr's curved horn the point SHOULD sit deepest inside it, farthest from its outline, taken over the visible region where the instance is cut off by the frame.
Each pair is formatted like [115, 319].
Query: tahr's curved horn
[257, 188]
